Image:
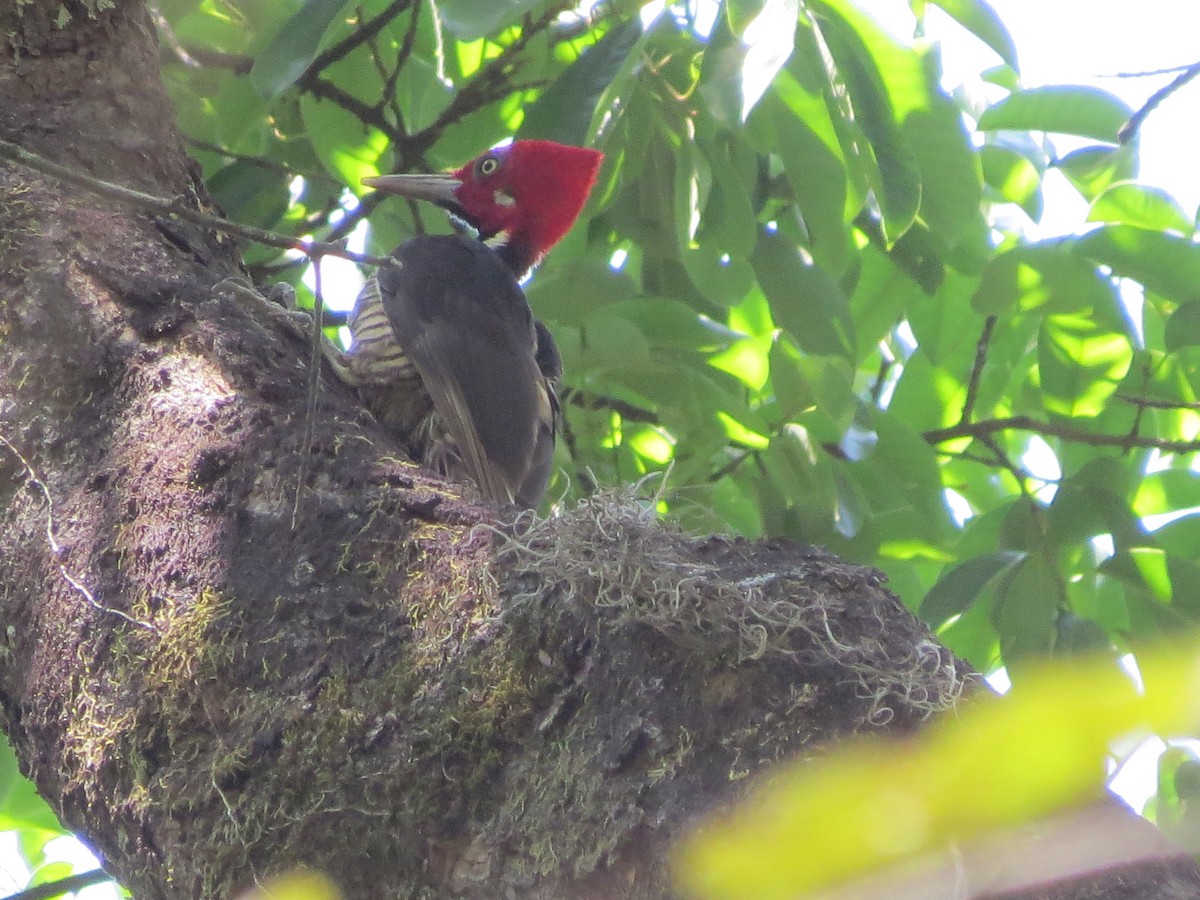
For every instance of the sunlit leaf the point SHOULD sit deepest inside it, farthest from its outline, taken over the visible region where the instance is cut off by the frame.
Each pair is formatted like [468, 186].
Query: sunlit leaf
[1045, 277]
[994, 764]
[1093, 169]
[565, 110]
[471, 19]
[1081, 364]
[1014, 177]
[1084, 111]
[1165, 263]
[981, 20]
[804, 299]
[1145, 207]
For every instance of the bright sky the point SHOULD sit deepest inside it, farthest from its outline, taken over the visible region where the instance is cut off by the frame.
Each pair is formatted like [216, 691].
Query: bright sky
[1058, 42]
[1074, 42]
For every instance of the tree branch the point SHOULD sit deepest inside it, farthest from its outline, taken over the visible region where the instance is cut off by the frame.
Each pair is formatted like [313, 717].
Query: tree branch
[68, 885]
[166, 207]
[981, 348]
[1130, 129]
[1065, 432]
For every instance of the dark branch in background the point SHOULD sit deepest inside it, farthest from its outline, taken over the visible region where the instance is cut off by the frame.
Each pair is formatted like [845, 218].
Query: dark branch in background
[987, 428]
[365, 32]
[731, 466]
[885, 367]
[369, 115]
[981, 348]
[1157, 403]
[164, 207]
[627, 411]
[1001, 458]
[490, 83]
[67, 885]
[260, 161]
[1130, 129]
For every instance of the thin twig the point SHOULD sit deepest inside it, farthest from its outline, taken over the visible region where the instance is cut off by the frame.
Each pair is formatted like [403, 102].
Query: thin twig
[165, 207]
[1156, 403]
[627, 411]
[362, 34]
[68, 885]
[981, 348]
[1130, 129]
[1065, 432]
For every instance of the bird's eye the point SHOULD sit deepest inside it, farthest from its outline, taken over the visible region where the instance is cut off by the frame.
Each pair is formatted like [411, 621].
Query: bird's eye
[487, 166]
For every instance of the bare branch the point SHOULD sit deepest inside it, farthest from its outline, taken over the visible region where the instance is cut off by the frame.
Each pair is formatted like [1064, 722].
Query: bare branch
[984, 429]
[68, 885]
[981, 348]
[1130, 129]
[164, 207]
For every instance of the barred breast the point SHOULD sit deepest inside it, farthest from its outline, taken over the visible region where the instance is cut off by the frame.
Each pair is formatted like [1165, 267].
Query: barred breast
[389, 383]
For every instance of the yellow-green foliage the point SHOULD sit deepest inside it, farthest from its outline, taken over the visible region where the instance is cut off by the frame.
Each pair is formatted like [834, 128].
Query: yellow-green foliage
[996, 764]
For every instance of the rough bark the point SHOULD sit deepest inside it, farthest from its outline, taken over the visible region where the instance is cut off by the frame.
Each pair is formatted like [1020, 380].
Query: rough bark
[241, 634]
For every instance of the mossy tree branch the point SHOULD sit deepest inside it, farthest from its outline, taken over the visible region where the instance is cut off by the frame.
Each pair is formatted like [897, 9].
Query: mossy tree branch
[399, 686]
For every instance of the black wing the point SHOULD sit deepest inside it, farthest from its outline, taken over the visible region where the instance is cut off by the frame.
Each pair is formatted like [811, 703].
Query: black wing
[463, 321]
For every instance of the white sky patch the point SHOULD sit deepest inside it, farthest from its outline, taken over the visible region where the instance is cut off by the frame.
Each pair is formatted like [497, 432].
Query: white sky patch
[767, 48]
[1103, 547]
[959, 508]
[1135, 777]
[1041, 463]
[999, 680]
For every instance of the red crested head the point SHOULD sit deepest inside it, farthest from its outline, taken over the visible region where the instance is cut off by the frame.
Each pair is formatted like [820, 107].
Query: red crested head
[525, 197]
[521, 198]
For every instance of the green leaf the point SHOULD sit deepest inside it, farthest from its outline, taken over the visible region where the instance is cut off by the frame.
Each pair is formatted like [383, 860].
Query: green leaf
[720, 279]
[24, 809]
[1028, 610]
[565, 110]
[1167, 490]
[728, 224]
[1093, 169]
[1183, 328]
[52, 871]
[1142, 206]
[971, 776]
[804, 299]
[294, 46]
[1063, 109]
[879, 76]
[1164, 263]
[958, 587]
[1081, 364]
[795, 123]
[981, 20]
[554, 292]
[740, 13]
[250, 194]
[1046, 277]
[346, 149]
[769, 41]
[1014, 177]
[470, 20]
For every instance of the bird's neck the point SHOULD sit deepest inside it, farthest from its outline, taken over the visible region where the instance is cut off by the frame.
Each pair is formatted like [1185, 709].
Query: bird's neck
[519, 255]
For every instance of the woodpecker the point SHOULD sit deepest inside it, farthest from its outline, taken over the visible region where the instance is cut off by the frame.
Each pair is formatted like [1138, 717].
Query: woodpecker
[445, 351]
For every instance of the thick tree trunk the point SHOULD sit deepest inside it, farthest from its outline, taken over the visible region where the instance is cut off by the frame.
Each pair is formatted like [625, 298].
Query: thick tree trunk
[240, 634]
